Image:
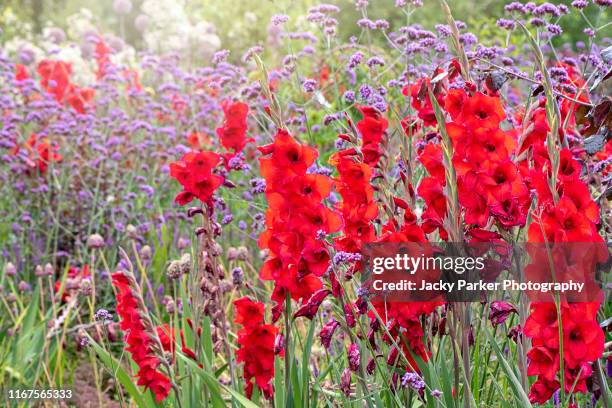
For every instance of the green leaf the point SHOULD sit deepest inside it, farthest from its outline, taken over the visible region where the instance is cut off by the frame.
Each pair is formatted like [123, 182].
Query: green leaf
[519, 392]
[118, 373]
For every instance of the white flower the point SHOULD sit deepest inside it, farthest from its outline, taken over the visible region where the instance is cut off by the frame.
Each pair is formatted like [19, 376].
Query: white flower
[122, 7]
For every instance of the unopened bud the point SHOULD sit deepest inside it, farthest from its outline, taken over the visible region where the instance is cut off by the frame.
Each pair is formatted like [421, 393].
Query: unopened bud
[174, 270]
[24, 286]
[279, 344]
[169, 304]
[185, 263]
[86, 288]
[39, 271]
[95, 241]
[232, 254]
[131, 231]
[146, 252]
[192, 211]
[243, 253]
[10, 269]
[183, 243]
[48, 269]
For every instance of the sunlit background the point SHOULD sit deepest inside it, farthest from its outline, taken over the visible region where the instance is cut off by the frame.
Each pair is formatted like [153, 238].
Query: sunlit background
[198, 28]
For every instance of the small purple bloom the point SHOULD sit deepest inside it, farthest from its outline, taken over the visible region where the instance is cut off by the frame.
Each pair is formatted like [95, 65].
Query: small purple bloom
[413, 380]
[310, 85]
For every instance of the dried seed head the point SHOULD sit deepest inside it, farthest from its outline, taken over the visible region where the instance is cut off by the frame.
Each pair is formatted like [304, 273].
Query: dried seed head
[146, 252]
[232, 254]
[185, 263]
[39, 271]
[216, 249]
[263, 254]
[174, 270]
[10, 269]
[131, 231]
[95, 241]
[86, 288]
[243, 253]
[169, 304]
[225, 286]
[48, 269]
[24, 286]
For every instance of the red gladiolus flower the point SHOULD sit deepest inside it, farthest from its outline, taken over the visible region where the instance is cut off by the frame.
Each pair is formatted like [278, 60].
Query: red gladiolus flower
[40, 152]
[372, 128]
[102, 53]
[310, 308]
[481, 111]
[583, 338]
[543, 361]
[542, 324]
[542, 390]
[55, 77]
[197, 140]
[138, 338]
[257, 343]
[233, 131]
[72, 283]
[563, 223]
[248, 313]
[421, 102]
[294, 219]
[453, 103]
[500, 311]
[21, 73]
[195, 173]
[167, 338]
[431, 158]
[78, 98]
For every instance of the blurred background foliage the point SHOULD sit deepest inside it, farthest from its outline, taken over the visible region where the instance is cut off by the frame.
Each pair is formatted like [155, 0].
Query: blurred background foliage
[242, 23]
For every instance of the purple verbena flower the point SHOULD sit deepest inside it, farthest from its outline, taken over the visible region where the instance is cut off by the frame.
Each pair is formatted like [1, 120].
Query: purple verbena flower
[413, 380]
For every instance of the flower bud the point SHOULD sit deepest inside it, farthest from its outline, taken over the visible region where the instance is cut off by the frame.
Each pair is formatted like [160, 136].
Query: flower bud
[243, 253]
[24, 286]
[48, 269]
[500, 311]
[183, 243]
[192, 211]
[131, 231]
[10, 269]
[174, 270]
[169, 304]
[232, 254]
[86, 288]
[279, 344]
[216, 249]
[185, 263]
[39, 271]
[95, 241]
[327, 332]
[345, 382]
[371, 366]
[392, 356]
[146, 252]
